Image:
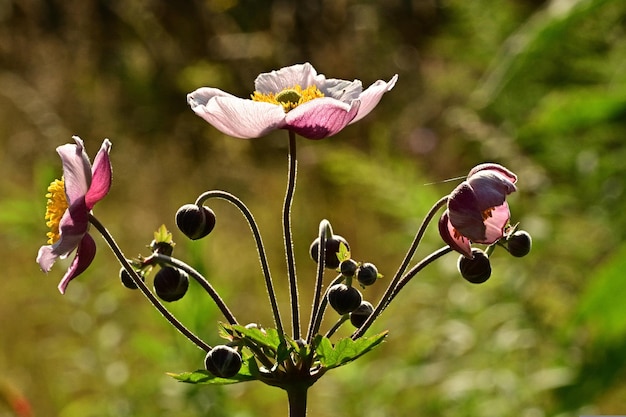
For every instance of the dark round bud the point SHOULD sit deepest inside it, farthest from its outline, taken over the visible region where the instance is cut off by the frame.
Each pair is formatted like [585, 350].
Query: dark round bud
[362, 312]
[164, 248]
[194, 221]
[519, 243]
[477, 270]
[367, 274]
[127, 280]
[344, 299]
[223, 361]
[348, 267]
[170, 283]
[332, 248]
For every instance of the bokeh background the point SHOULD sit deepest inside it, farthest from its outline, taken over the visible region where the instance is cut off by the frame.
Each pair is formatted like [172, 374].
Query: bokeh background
[538, 86]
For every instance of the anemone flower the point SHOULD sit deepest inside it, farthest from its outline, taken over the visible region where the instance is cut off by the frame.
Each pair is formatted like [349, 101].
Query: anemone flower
[477, 208]
[295, 98]
[70, 201]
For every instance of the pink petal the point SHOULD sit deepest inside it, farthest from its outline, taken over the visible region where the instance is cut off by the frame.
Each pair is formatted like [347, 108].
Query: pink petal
[84, 256]
[494, 225]
[490, 188]
[341, 90]
[370, 97]
[101, 178]
[322, 117]
[456, 241]
[509, 175]
[239, 117]
[303, 75]
[465, 214]
[76, 169]
[73, 227]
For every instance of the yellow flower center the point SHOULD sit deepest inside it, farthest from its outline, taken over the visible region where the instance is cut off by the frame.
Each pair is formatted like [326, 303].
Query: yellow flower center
[55, 207]
[289, 98]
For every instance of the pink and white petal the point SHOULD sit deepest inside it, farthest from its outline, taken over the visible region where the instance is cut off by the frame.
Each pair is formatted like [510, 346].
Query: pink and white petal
[275, 81]
[341, 90]
[320, 118]
[76, 169]
[242, 118]
[490, 188]
[84, 257]
[46, 258]
[201, 96]
[101, 177]
[453, 239]
[495, 225]
[370, 97]
[509, 175]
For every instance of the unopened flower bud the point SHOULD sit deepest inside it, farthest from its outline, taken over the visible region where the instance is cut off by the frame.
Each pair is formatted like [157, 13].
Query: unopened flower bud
[519, 243]
[348, 267]
[171, 284]
[367, 274]
[476, 270]
[194, 221]
[127, 280]
[332, 248]
[344, 299]
[223, 361]
[360, 315]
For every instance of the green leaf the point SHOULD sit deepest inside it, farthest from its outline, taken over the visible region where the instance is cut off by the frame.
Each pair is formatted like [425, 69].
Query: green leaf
[267, 338]
[344, 253]
[247, 372]
[345, 350]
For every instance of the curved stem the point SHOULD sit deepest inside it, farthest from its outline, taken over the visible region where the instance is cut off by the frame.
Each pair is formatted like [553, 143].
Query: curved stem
[417, 268]
[321, 260]
[385, 299]
[202, 281]
[144, 288]
[337, 325]
[260, 248]
[317, 322]
[291, 264]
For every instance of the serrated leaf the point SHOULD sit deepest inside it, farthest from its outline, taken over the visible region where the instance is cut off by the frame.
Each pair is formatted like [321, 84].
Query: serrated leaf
[163, 235]
[267, 338]
[344, 253]
[345, 350]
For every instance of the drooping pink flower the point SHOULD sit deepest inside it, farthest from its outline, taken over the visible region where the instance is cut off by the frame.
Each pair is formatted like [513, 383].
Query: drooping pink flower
[477, 208]
[70, 201]
[295, 98]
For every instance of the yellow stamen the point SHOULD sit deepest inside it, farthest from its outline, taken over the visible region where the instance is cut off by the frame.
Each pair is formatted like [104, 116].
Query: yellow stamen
[55, 207]
[289, 98]
[487, 213]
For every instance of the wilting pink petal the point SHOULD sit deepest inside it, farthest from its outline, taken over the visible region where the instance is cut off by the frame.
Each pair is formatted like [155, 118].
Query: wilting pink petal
[101, 178]
[371, 97]
[76, 169]
[496, 223]
[321, 118]
[85, 254]
[452, 238]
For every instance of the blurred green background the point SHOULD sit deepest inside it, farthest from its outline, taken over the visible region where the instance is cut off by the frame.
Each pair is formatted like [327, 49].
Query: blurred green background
[538, 86]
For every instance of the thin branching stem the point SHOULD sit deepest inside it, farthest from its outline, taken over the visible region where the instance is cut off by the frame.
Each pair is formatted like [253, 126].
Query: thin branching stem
[317, 321]
[386, 298]
[288, 238]
[417, 268]
[337, 325]
[321, 260]
[144, 288]
[219, 302]
[259, 245]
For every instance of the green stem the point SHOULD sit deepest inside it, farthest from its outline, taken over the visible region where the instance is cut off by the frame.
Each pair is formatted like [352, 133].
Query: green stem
[385, 299]
[297, 396]
[321, 260]
[260, 248]
[291, 264]
[144, 288]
